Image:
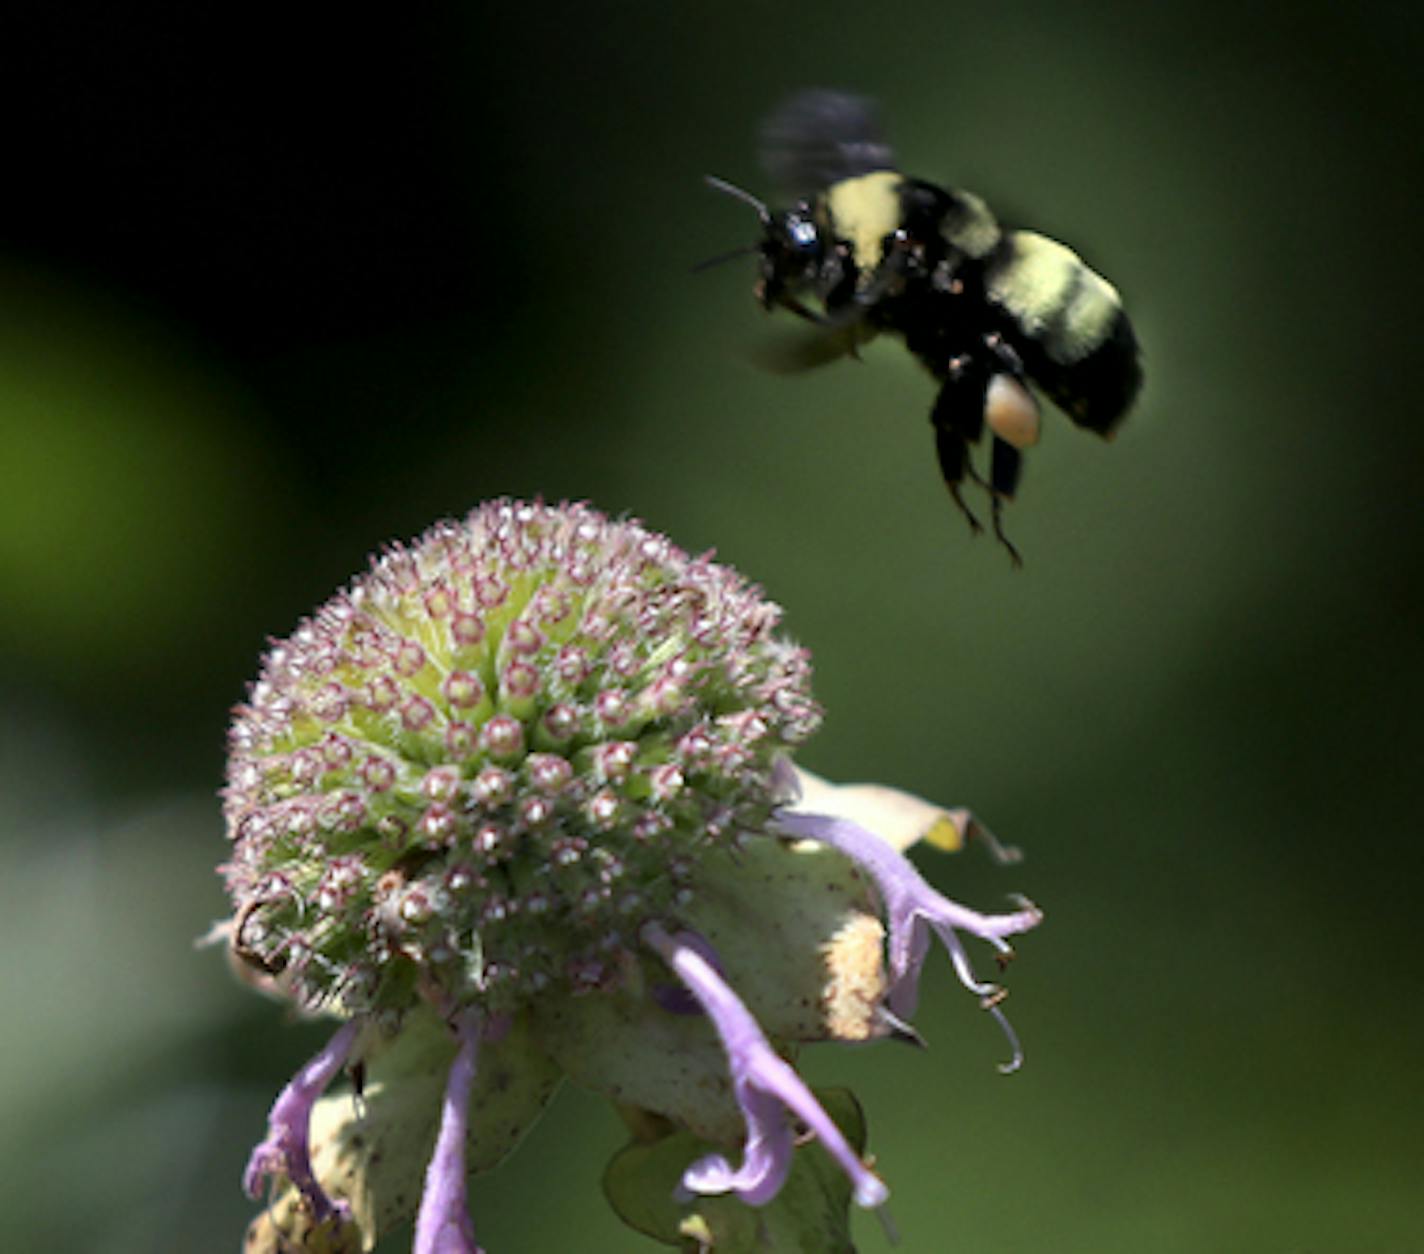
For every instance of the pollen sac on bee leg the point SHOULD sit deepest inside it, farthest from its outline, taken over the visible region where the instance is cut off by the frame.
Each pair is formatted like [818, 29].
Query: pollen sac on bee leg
[1011, 412]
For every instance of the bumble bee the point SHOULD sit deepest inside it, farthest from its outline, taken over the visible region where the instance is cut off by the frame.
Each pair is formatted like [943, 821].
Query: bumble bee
[987, 310]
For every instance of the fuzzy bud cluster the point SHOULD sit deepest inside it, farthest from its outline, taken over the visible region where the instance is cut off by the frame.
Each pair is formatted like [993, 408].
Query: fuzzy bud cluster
[482, 767]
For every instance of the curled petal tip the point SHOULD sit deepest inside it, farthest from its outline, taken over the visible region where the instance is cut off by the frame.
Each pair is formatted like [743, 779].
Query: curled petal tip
[286, 1148]
[1026, 906]
[1016, 1054]
[767, 1089]
[899, 1029]
[913, 910]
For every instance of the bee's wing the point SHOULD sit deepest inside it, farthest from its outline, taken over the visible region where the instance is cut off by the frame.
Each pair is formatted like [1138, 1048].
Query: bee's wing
[807, 348]
[819, 137]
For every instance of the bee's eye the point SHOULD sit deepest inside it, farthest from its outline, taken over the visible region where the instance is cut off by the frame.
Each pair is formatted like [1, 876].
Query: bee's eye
[797, 236]
[802, 234]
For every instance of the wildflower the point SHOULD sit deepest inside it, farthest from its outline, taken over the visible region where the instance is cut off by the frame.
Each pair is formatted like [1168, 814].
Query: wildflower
[518, 805]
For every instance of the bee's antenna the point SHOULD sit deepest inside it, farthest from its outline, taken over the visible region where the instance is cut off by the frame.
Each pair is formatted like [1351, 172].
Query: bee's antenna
[731, 189]
[745, 251]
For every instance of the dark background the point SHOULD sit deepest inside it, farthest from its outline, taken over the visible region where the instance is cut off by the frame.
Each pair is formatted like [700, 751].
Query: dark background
[278, 284]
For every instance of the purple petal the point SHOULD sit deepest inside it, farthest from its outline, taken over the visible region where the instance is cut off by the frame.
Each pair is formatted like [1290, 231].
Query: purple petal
[912, 910]
[766, 1157]
[286, 1150]
[443, 1225]
[677, 999]
[766, 1088]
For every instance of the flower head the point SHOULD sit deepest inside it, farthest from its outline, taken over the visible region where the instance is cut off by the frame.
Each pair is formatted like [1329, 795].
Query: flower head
[479, 769]
[518, 804]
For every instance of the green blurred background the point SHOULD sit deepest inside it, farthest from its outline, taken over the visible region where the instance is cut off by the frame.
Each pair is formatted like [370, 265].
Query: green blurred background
[278, 285]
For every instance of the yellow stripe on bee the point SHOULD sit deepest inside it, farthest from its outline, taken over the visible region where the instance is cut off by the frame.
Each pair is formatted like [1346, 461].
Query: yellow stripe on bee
[971, 227]
[1056, 297]
[863, 211]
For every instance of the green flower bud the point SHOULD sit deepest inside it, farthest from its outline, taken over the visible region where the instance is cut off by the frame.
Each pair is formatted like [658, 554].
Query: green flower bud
[479, 769]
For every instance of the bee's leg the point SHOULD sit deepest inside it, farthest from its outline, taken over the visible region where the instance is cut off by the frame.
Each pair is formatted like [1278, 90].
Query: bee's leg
[953, 457]
[1004, 466]
[1008, 358]
[958, 418]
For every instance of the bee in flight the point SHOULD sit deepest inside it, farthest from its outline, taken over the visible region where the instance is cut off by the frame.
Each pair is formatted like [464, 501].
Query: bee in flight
[987, 310]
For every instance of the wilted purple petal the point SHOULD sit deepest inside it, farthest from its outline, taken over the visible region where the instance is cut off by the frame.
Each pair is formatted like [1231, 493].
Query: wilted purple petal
[912, 909]
[765, 1085]
[286, 1149]
[443, 1225]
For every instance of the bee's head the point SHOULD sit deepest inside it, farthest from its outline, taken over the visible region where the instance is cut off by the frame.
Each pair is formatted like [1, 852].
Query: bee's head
[790, 248]
[791, 254]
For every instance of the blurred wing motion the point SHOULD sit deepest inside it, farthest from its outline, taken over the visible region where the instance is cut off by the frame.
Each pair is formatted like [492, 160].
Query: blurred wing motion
[818, 138]
[800, 349]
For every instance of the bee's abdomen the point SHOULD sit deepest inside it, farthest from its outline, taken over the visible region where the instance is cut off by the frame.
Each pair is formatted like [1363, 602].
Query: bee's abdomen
[1071, 330]
[1097, 390]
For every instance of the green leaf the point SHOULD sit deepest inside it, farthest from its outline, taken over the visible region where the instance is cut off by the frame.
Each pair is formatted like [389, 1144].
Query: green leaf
[795, 930]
